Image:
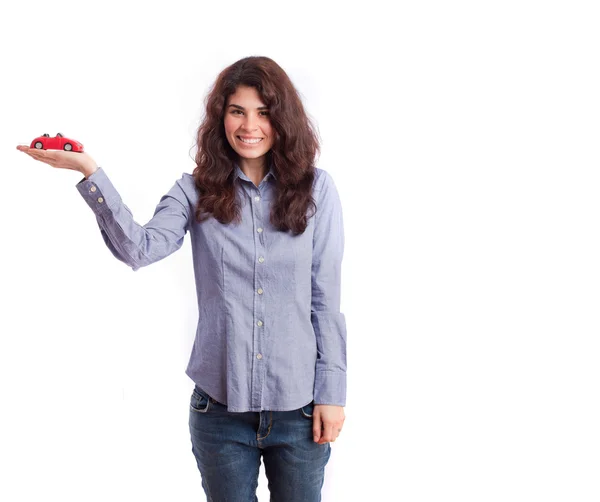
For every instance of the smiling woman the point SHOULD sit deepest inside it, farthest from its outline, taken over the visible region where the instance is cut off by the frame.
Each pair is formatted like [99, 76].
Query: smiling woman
[269, 355]
[281, 349]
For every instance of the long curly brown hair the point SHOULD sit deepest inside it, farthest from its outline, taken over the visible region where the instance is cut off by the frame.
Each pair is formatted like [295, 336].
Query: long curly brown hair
[292, 155]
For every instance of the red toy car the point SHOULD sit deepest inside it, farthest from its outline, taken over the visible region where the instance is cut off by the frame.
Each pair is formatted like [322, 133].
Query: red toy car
[58, 142]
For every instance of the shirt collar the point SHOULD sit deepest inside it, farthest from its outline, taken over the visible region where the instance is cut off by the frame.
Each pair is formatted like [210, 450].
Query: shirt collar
[240, 174]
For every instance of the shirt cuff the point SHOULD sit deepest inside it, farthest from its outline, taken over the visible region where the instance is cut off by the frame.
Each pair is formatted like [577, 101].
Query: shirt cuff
[330, 388]
[98, 191]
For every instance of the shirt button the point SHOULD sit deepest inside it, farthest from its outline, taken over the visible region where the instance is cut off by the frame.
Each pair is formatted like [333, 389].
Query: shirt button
[258, 356]
[259, 323]
[261, 259]
[93, 189]
[260, 291]
[257, 198]
[259, 230]
[100, 200]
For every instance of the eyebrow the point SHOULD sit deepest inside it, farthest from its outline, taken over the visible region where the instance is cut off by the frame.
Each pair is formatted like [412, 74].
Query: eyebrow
[242, 108]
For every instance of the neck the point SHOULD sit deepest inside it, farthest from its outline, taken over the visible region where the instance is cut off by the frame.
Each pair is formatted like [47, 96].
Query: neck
[255, 169]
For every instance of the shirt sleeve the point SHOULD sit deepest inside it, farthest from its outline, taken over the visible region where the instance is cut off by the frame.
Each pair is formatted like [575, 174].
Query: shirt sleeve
[130, 242]
[328, 322]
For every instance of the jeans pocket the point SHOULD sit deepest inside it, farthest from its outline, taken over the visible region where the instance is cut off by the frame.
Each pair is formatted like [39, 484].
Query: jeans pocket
[307, 410]
[200, 400]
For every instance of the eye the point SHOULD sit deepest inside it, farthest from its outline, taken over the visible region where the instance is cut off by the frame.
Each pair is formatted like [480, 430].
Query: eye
[265, 114]
[234, 111]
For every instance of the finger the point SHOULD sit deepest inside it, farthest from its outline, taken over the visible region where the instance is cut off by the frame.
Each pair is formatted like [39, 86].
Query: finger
[328, 432]
[35, 155]
[40, 157]
[323, 439]
[42, 154]
[26, 149]
[317, 427]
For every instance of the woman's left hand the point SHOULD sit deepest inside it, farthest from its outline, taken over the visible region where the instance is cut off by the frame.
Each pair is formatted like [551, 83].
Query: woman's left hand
[327, 422]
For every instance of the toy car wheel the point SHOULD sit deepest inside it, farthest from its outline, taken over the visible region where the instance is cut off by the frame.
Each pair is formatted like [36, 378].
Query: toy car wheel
[38, 145]
[68, 147]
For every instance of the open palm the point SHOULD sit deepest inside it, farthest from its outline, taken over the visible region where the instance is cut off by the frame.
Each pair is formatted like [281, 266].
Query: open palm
[76, 161]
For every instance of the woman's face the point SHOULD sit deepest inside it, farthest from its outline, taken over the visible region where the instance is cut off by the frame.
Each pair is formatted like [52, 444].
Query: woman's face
[247, 124]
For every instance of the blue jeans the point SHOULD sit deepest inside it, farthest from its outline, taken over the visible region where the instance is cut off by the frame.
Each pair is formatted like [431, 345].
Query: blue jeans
[228, 447]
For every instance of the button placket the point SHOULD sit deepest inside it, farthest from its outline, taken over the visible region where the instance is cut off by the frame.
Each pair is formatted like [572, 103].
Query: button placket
[258, 370]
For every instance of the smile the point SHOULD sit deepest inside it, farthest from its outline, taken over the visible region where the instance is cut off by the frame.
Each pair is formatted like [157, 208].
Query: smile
[250, 141]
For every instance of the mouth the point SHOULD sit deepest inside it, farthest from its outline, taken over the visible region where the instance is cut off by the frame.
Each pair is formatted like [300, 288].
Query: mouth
[249, 141]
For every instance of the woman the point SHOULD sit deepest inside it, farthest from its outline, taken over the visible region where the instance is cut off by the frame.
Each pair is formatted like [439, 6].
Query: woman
[269, 357]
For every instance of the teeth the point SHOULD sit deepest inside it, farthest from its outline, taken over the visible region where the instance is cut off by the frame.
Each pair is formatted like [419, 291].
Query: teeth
[251, 140]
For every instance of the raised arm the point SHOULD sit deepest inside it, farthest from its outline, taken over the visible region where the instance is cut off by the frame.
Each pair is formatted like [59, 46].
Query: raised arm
[134, 244]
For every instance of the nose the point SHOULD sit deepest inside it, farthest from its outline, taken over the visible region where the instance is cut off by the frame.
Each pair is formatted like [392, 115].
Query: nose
[249, 123]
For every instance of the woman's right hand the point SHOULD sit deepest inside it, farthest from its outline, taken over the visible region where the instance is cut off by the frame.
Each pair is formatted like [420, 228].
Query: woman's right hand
[76, 161]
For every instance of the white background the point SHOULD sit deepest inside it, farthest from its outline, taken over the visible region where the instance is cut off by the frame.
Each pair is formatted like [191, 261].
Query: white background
[463, 139]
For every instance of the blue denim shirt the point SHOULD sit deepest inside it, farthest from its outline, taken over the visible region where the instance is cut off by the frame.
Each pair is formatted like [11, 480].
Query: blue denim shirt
[270, 334]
